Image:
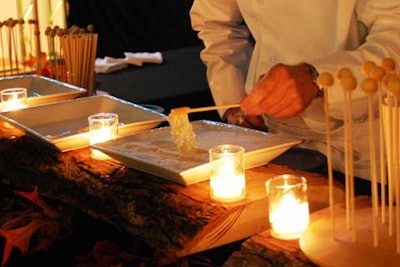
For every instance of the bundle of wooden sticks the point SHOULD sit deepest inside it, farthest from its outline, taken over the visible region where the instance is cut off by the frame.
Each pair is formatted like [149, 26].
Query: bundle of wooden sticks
[15, 53]
[382, 81]
[71, 52]
[78, 48]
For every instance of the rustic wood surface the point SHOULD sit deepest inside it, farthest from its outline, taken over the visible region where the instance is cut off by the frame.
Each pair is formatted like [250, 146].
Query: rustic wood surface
[171, 218]
[263, 250]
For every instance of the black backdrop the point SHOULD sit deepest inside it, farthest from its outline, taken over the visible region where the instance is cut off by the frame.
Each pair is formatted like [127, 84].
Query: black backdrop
[135, 25]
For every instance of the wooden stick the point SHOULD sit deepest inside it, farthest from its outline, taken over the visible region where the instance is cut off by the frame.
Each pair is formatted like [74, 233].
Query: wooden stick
[202, 109]
[20, 38]
[370, 86]
[396, 168]
[59, 59]
[382, 155]
[381, 75]
[329, 157]
[37, 35]
[348, 83]
[31, 34]
[390, 160]
[9, 42]
[392, 82]
[86, 57]
[350, 162]
[15, 45]
[2, 48]
[93, 38]
[325, 80]
[373, 170]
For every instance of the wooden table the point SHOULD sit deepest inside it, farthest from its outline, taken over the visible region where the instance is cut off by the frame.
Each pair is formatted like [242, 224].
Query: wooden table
[170, 218]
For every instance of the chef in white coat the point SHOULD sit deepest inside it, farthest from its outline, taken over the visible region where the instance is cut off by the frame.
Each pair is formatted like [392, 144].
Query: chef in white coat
[266, 54]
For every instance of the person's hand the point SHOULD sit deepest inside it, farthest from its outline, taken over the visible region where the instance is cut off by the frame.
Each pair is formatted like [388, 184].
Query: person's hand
[237, 117]
[285, 91]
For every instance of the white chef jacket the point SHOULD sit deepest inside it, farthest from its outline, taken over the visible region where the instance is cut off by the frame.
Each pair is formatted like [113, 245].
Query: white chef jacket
[244, 38]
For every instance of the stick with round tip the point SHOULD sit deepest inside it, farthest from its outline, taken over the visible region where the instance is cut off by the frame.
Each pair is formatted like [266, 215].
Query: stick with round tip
[53, 34]
[31, 23]
[393, 86]
[378, 73]
[326, 80]
[389, 148]
[344, 72]
[20, 26]
[370, 69]
[348, 83]
[2, 48]
[15, 45]
[367, 68]
[341, 73]
[60, 32]
[388, 65]
[9, 24]
[370, 86]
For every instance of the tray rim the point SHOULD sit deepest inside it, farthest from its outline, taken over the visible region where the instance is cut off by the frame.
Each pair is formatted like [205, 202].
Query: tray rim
[75, 91]
[181, 177]
[58, 143]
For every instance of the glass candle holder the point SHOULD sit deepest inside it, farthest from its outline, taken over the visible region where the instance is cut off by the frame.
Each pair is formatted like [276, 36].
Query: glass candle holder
[227, 180]
[13, 99]
[288, 206]
[102, 127]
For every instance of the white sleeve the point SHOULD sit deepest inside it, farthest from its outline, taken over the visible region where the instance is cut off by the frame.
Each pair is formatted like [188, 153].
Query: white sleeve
[381, 22]
[227, 47]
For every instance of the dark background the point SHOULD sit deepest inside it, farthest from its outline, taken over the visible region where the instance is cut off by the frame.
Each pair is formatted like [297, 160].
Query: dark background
[148, 26]
[135, 25]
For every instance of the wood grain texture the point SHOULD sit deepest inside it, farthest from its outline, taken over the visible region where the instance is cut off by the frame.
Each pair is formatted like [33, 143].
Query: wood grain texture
[171, 218]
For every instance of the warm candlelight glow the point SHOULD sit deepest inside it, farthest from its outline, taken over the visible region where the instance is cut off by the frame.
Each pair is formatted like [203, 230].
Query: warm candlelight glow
[13, 99]
[102, 127]
[288, 206]
[227, 181]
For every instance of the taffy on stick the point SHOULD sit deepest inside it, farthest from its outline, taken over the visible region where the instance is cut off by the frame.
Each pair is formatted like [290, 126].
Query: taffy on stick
[326, 80]
[367, 67]
[370, 86]
[377, 73]
[348, 83]
[392, 83]
[388, 64]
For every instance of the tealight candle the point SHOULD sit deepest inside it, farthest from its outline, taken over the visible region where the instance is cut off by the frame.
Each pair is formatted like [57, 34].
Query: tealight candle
[227, 180]
[288, 206]
[102, 127]
[13, 99]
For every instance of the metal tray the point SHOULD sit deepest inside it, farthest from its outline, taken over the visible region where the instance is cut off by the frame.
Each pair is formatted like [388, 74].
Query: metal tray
[154, 152]
[64, 124]
[42, 90]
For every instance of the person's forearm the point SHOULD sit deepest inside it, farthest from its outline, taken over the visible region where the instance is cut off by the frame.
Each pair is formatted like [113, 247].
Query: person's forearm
[227, 48]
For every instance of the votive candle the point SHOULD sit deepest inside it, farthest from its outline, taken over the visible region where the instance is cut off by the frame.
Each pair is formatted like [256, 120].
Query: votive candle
[288, 206]
[102, 127]
[227, 181]
[13, 98]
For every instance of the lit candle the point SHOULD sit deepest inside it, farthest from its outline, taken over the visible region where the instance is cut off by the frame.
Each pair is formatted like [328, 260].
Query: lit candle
[288, 206]
[13, 99]
[227, 181]
[102, 127]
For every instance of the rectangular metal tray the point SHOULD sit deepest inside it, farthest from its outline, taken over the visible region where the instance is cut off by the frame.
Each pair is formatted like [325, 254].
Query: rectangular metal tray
[154, 152]
[64, 124]
[42, 90]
